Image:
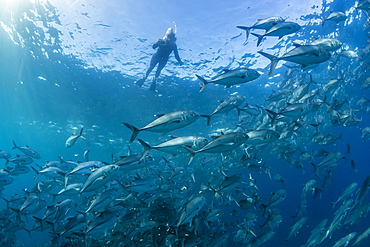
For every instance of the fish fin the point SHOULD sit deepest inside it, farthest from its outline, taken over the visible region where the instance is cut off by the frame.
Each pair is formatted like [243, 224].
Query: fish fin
[226, 70]
[259, 36]
[159, 115]
[173, 137]
[274, 60]
[247, 31]
[272, 115]
[82, 129]
[37, 172]
[146, 147]
[296, 44]
[208, 118]
[135, 131]
[140, 82]
[204, 83]
[15, 146]
[192, 153]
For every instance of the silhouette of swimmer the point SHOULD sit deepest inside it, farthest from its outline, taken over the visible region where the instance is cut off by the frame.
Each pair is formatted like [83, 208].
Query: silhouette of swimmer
[165, 47]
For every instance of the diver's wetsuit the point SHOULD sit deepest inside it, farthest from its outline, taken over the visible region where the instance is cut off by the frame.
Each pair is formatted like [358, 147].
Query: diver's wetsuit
[165, 47]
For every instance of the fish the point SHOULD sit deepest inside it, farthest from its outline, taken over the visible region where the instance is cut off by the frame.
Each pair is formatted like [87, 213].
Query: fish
[347, 192]
[176, 144]
[305, 55]
[276, 198]
[100, 177]
[365, 134]
[345, 240]
[226, 105]
[71, 141]
[87, 167]
[105, 220]
[361, 237]
[363, 190]
[335, 16]
[327, 43]
[220, 144]
[261, 136]
[166, 123]
[5, 155]
[27, 151]
[191, 210]
[231, 77]
[20, 160]
[280, 30]
[264, 24]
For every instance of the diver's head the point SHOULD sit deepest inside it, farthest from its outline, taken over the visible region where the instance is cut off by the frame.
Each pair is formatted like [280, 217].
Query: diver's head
[170, 33]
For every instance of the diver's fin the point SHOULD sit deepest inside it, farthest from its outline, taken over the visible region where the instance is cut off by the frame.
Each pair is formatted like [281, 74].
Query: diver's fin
[153, 85]
[140, 82]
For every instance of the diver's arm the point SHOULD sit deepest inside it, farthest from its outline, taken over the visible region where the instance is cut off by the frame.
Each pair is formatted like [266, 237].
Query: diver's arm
[177, 55]
[158, 43]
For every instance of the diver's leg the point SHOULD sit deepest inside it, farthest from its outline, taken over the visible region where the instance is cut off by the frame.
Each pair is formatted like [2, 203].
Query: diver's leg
[153, 63]
[161, 65]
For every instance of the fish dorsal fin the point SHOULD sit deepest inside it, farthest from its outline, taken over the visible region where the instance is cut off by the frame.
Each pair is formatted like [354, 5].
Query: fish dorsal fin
[159, 115]
[172, 137]
[123, 156]
[296, 44]
[289, 103]
[226, 70]
[214, 137]
[221, 101]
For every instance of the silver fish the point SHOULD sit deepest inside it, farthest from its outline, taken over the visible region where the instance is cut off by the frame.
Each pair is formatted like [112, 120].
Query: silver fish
[221, 144]
[231, 77]
[100, 177]
[71, 141]
[280, 29]
[264, 24]
[191, 210]
[226, 105]
[166, 123]
[304, 55]
[262, 136]
[335, 16]
[27, 151]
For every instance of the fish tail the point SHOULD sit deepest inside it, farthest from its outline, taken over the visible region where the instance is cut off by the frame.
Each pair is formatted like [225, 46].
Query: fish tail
[192, 153]
[82, 129]
[274, 60]
[146, 147]
[272, 115]
[204, 82]
[260, 37]
[208, 118]
[315, 171]
[36, 171]
[7, 161]
[15, 146]
[135, 131]
[323, 21]
[247, 31]
[264, 209]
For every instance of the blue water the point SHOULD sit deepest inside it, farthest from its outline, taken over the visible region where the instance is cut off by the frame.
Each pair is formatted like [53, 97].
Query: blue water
[69, 65]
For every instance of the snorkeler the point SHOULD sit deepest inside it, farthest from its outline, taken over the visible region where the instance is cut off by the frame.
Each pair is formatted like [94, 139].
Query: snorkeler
[165, 47]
